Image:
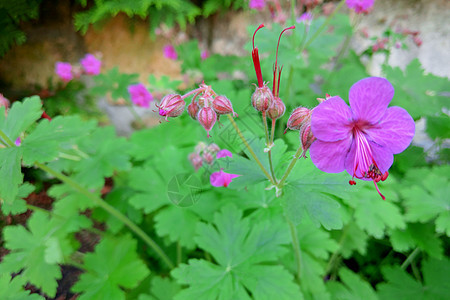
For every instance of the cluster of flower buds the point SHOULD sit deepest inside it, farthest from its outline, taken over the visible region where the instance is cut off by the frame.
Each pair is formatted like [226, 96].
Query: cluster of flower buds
[206, 154]
[300, 119]
[206, 106]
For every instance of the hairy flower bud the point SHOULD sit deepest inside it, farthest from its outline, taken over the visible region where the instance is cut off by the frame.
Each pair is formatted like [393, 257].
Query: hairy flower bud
[171, 105]
[298, 117]
[262, 98]
[306, 137]
[196, 160]
[213, 148]
[207, 118]
[205, 100]
[208, 157]
[193, 110]
[277, 109]
[222, 106]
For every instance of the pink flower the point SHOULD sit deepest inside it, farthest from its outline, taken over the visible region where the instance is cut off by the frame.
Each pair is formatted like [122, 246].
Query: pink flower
[18, 142]
[361, 138]
[257, 4]
[140, 96]
[91, 64]
[170, 52]
[305, 17]
[360, 6]
[221, 178]
[64, 71]
[204, 55]
[224, 153]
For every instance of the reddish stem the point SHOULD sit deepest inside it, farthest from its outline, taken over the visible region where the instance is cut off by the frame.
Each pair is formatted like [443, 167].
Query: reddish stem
[276, 63]
[255, 57]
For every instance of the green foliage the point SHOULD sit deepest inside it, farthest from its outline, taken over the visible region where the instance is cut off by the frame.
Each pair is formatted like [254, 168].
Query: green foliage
[400, 285]
[240, 251]
[11, 14]
[105, 269]
[12, 289]
[114, 83]
[352, 287]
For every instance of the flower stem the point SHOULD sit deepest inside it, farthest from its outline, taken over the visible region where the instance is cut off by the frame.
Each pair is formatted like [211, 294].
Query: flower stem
[296, 247]
[322, 27]
[111, 210]
[250, 149]
[268, 145]
[410, 258]
[291, 166]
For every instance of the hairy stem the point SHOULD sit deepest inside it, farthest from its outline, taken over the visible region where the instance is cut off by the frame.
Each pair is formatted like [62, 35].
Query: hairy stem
[111, 210]
[296, 247]
[322, 27]
[247, 145]
[269, 146]
[410, 258]
[291, 166]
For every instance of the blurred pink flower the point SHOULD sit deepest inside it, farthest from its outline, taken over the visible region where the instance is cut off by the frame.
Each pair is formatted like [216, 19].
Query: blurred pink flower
[305, 17]
[18, 142]
[170, 52]
[360, 6]
[224, 153]
[91, 64]
[204, 55]
[221, 178]
[140, 96]
[64, 71]
[257, 4]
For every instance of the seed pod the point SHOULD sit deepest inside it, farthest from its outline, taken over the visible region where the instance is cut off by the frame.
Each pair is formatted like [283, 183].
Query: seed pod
[171, 105]
[207, 117]
[222, 106]
[193, 110]
[277, 109]
[262, 98]
[298, 117]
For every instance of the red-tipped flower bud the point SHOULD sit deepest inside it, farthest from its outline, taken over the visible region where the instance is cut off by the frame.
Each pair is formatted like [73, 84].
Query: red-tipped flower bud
[171, 106]
[298, 117]
[262, 98]
[207, 117]
[306, 137]
[222, 106]
[277, 109]
[196, 160]
[208, 157]
[193, 110]
[205, 100]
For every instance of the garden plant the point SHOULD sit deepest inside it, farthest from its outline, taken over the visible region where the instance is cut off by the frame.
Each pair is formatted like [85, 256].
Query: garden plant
[299, 180]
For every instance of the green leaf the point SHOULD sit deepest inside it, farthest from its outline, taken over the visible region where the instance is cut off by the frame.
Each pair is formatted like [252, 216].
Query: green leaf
[10, 173]
[352, 287]
[417, 235]
[19, 205]
[429, 199]
[309, 193]
[315, 240]
[161, 289]
[38, 251]
[400, 285]
[240, 251]
[12, 289]
[45, 142]
[178, 224]
[438, 126]
[107, 153]
[112, 266]
[21, 116]
[352, 238]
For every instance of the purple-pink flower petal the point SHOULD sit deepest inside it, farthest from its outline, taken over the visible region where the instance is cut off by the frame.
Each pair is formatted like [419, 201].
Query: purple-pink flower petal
[330, 120]
[64, 71]
[360, 6]
[381, 155]
[170, 52]
[395, 130]
[257, 4]
[369, 98]
[140, 96]
[330, 156]
[221, 178]
[223, 153]
[91, 64]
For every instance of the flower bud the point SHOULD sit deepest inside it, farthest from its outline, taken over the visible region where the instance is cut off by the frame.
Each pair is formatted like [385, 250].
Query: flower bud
[277, 109]
[207, 118]
[262, 98]
[306, 137]
[298, 117]
[213, 148]
[222, 106]
[193, 110]
[171, 105]
[208, 157]
[196, 160]
[205, 100]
